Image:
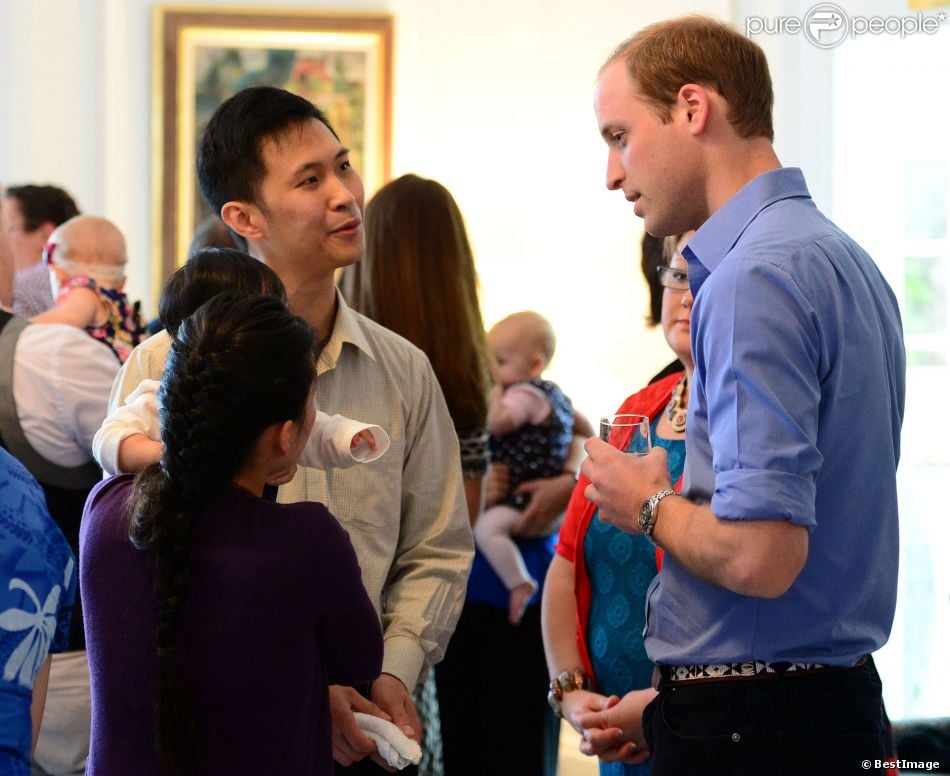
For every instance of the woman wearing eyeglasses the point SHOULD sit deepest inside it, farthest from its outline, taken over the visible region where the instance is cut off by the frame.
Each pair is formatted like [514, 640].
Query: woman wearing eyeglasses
[593, 606]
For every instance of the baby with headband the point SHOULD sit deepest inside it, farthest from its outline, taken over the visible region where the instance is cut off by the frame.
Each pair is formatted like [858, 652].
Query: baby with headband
[86, 259]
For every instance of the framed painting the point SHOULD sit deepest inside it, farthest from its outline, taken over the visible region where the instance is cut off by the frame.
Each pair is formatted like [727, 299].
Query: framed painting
[204, 55]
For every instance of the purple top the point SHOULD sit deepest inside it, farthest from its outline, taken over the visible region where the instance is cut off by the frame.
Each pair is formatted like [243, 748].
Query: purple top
[276, 613]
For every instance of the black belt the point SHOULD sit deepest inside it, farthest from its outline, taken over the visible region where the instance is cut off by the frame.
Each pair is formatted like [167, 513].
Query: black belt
[750, 669]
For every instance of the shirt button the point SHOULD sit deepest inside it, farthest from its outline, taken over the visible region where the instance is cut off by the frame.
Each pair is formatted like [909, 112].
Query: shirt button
[735, 738]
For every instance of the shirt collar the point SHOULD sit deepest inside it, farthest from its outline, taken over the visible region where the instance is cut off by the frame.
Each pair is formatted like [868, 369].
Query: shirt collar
[722, 230]
[346, 328]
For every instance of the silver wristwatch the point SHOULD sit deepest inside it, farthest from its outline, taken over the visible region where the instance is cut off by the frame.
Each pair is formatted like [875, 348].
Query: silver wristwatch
[648, 512]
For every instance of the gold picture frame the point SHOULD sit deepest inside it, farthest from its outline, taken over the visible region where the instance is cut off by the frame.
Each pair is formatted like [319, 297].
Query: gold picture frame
[343, 64]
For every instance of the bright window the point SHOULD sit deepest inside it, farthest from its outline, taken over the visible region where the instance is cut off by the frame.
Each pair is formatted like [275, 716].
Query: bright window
[891, 191]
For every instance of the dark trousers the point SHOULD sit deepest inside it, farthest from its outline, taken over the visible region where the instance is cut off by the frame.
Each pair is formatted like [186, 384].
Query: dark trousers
[822, 723]
[492, 689]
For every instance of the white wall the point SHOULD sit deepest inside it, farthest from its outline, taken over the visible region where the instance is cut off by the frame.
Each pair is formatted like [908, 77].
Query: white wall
[491, 97]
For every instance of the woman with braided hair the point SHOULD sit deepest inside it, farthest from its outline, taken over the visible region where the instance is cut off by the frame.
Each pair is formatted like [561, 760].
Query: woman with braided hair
[209, 649]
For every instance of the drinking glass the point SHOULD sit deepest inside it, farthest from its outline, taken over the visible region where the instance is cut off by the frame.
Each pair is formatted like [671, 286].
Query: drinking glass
[629, 433]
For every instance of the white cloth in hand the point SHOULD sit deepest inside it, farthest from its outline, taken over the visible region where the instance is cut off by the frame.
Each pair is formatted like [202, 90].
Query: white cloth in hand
[394, 746]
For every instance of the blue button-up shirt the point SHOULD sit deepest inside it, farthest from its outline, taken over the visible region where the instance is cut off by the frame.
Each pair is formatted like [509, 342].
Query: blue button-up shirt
[795, 414]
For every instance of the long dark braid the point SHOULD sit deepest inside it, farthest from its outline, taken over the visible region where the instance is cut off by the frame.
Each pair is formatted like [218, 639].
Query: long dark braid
[236, 367]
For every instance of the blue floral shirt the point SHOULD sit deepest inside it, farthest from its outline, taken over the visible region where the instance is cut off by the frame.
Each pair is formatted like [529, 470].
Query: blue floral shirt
[37, 591]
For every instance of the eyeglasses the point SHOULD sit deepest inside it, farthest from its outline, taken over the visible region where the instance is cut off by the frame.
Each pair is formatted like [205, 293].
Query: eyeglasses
[672, 278]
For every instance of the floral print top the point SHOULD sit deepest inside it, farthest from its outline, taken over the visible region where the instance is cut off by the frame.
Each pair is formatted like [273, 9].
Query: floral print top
[123, 329]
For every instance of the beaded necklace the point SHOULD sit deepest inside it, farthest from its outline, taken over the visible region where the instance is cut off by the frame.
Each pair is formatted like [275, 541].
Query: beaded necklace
[676, 409]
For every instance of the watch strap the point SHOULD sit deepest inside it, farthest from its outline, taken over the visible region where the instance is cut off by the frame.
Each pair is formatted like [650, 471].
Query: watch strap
[648, 513]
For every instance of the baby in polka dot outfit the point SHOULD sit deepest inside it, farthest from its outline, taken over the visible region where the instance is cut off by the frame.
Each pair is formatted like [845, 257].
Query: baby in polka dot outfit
[531, 425]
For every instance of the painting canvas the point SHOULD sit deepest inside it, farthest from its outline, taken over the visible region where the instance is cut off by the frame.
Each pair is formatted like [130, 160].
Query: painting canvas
[340, 63]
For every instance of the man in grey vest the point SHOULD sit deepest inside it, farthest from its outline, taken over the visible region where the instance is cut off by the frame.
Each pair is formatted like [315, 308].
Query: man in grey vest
[54, 390]
[30, 214]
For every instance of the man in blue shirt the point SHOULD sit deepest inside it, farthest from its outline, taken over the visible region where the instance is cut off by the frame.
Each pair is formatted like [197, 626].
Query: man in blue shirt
[780, 569]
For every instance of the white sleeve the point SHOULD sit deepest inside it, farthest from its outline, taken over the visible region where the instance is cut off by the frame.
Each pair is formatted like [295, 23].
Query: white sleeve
[85, 376]
[329, 445]
[139, 415]
[61, 380]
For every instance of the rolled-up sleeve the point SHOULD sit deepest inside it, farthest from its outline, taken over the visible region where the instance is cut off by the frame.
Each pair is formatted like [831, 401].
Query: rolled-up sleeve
[763, 392]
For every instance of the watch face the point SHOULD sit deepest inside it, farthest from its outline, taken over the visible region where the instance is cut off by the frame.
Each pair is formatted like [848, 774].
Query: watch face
[646, 512]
